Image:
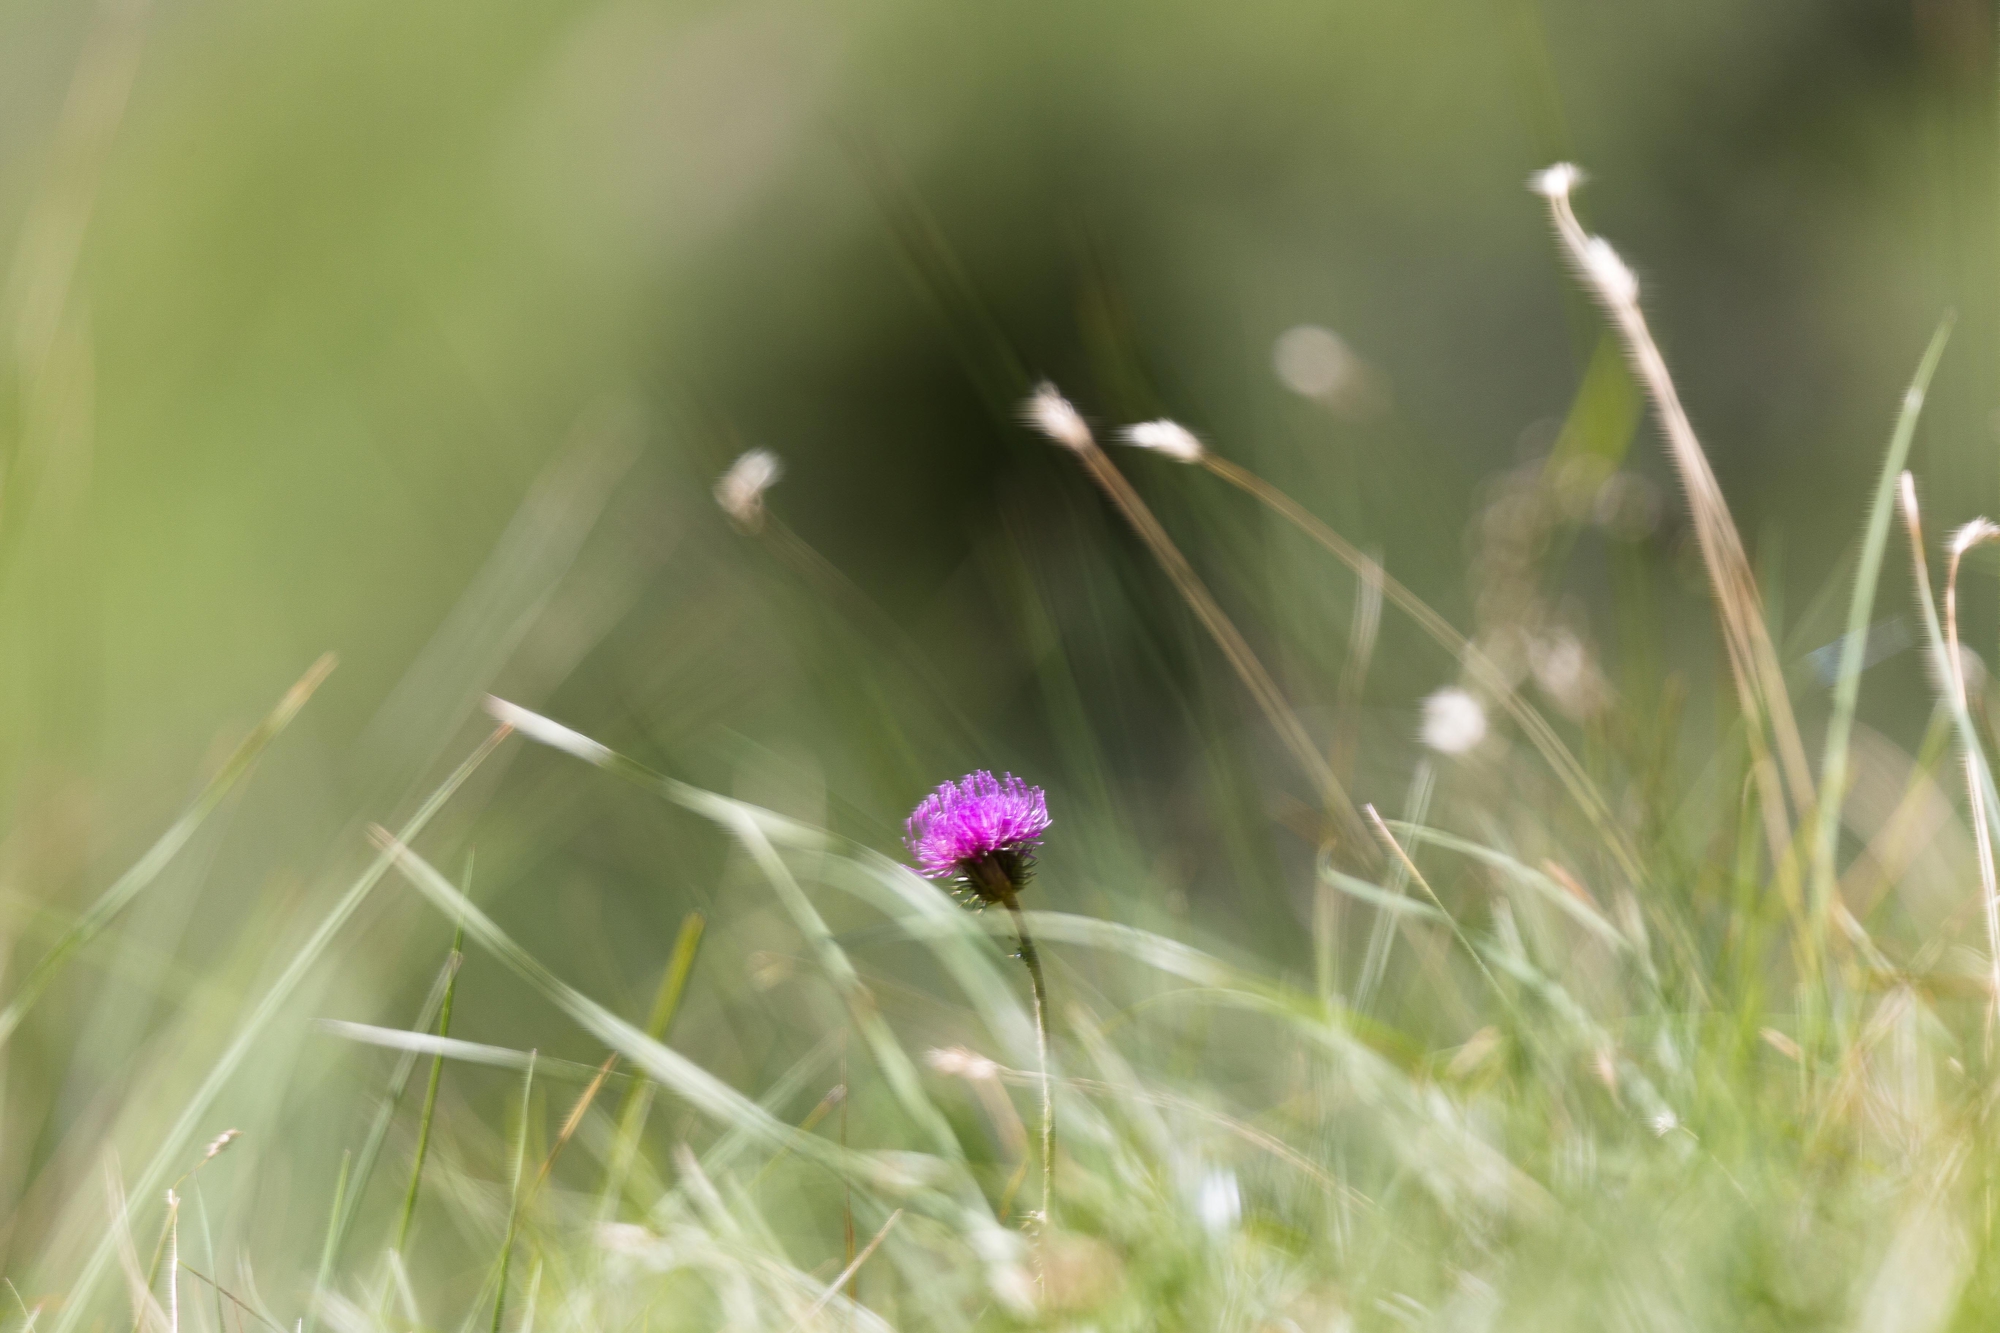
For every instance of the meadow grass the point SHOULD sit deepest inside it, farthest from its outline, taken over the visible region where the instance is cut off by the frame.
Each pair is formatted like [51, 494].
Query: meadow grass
[1590, 1033]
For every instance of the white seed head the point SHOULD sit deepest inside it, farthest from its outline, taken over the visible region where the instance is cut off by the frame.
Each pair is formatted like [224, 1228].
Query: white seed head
[740, 491]
[1050, 413]
[958, 1062]
[221, 1141]
[1604, 268]
[1454, 721]
[1906, 496]
[1972, 534]
[1557, 181]
[1167, 437]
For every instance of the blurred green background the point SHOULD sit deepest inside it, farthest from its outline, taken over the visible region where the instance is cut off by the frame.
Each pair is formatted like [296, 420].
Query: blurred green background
[419, 332]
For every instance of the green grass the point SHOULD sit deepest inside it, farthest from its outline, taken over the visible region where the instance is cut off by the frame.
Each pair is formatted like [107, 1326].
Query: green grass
[1566, 1097]
[1650, 1011]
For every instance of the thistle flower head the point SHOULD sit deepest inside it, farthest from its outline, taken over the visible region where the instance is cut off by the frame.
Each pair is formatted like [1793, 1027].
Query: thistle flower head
[740, 491]
[1051, 414]
[980, 831]
[1167, 437]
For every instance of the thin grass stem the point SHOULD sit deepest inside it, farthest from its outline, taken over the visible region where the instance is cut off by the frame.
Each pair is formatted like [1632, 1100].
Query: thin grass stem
[1249, 669]
[639, 1096]
[514, 1194]
[453, 962]
[1853, 651]
[1753, 661]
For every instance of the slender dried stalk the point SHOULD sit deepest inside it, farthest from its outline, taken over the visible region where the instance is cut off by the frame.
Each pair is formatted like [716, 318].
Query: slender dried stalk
[1978, 778]
[1053, 415]
[1753, 661]
[1976, 533]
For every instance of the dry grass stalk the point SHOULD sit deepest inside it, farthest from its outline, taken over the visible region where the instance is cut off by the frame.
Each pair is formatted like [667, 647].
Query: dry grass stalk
[1952, 673]
[1976, 533]
[1753, 661]
[1048, 412]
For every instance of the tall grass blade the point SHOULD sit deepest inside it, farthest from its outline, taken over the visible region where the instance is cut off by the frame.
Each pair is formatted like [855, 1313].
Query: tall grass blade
[514, 1193]
[392, 1098]
[700, 1089]
[639, 1097]
[1854, 647]
[429, 1112]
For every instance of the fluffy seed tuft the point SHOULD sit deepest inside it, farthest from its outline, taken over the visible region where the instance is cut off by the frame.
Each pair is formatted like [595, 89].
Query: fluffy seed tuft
[1166, 437]
[1050, 413]
[740, 491]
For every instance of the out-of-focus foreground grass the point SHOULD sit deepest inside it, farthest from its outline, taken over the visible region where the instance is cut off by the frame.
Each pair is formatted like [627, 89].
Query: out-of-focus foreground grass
[417, 334]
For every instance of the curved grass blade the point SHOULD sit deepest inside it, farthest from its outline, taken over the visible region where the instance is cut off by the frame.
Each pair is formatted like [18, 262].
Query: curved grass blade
[1854, 647]
[700, 1089]
[754, 827]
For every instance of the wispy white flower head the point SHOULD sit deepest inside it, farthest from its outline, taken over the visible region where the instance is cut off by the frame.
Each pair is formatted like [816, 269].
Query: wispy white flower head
[1972, 534]
[1454, 721]
[740, 491]
[1050, 413]
[221, 1141]
[1556, 181]
[1167, 437]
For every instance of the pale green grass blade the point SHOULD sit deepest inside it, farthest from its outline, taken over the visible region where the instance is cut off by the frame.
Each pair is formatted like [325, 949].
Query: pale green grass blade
[967, 950]
[1396, 904]
[752, 827]
[148, 867]
[175, 1142]
[454, 1048]
[426, 1118]
[514, 1192]
[699, 1088]
[392, 1097]
[1853, 650]
[639, 1097]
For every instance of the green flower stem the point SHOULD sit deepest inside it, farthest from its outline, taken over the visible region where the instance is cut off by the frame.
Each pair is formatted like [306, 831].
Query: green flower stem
[1039, 986]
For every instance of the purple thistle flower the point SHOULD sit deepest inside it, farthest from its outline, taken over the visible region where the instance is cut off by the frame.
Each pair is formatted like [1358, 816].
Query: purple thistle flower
[980, 830]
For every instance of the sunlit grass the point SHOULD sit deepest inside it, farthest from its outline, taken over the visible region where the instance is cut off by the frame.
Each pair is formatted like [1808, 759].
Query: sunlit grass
[1581, 1033]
